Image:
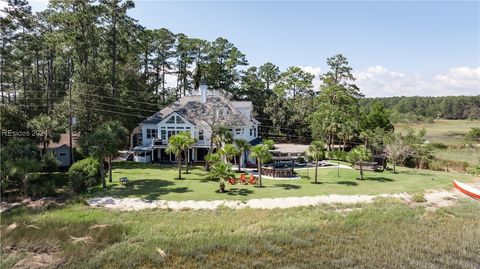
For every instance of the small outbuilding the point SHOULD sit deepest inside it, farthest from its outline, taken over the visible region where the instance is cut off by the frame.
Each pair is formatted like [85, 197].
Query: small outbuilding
[61, 149]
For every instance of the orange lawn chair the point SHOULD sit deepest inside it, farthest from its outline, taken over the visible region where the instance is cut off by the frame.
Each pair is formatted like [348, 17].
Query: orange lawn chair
[252, 179]
[243, 179]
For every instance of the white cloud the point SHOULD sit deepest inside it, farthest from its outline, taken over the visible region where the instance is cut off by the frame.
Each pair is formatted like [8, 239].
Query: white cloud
[38, 5]
[171, 80]
[3, 5]
[314, 71]
[378, 81]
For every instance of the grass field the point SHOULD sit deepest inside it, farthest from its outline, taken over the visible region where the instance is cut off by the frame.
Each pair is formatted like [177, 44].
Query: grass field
[386, 234]
[449, 132]
[158, 182]
[461, 155]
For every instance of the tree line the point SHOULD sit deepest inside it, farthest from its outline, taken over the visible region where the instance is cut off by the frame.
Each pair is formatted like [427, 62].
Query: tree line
[418, 108]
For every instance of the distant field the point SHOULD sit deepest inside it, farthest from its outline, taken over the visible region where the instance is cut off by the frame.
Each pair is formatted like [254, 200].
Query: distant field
[461, 155]
[445, 131]
[449, 132]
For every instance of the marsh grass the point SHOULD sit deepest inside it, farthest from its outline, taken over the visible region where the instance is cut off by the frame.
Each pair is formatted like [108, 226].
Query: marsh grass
[450, 132]
[460, 155]
[386, 234]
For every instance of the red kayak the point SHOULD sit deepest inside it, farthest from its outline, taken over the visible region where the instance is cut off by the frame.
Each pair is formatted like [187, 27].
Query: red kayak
[467, 189]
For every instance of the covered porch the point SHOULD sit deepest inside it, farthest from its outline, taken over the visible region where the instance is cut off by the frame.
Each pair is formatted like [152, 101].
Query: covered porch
[158, 154]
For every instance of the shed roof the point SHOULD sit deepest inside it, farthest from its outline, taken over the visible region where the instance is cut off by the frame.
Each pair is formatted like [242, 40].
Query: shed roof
[64, 141]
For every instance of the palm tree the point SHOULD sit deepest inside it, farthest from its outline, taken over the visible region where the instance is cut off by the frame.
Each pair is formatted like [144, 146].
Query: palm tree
[220, 136]
[222, 172]
[188, 143]
[48, 127]
[213, 158]
[176, 145]
[359, 155]
[269, 143]
[19, 147]
[119, 139]
[316, 151]
[243, 146]
[103, 144]
[261, 153]
[229, 151]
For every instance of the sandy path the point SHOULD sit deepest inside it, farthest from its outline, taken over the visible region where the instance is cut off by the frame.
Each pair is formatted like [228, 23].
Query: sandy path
[135, 204]
[434, 199]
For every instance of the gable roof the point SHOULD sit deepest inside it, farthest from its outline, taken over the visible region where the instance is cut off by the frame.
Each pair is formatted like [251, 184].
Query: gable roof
[64, 141]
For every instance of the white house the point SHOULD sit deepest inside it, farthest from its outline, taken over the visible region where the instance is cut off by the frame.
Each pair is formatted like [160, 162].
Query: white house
[198, 114]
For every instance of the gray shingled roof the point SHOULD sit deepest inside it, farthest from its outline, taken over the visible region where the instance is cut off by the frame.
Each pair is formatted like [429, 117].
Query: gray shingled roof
[192, 109]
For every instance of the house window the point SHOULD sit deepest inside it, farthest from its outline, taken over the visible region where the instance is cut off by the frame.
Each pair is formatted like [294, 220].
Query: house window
[151, 133]
[171, 120]
[238, 131]
[164, 134]
[251, 132]
[200, 135]
[255, 132]
[63, 154]
[180, 120]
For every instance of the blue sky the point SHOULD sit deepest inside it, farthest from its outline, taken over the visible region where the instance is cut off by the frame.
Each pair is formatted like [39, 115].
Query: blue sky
[424, 48]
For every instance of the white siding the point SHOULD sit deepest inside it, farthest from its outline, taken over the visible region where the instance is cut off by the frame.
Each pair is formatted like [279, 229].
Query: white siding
[145, 140]
[171, 128]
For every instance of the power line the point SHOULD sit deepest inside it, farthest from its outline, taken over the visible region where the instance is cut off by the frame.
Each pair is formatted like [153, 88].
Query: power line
[146, 110]
[96, 95]
[92, 108]
[307, 137]
[114, 112]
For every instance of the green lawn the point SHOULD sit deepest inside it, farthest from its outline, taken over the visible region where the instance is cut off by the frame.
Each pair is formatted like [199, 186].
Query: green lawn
[444, 131]
[151, 181]
[385, 234]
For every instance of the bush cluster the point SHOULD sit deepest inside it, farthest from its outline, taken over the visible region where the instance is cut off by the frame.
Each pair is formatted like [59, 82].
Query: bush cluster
[84, 174]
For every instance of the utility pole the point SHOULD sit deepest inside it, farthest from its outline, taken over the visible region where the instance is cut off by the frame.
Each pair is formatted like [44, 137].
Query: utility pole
[70, 119]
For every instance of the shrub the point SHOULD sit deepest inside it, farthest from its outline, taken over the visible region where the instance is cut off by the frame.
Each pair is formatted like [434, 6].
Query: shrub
[418, 198]
[50, 163]
[37, 186]
[474, 170]
[84, 174]
[337, 155]
[438, 145]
